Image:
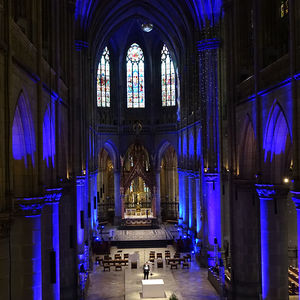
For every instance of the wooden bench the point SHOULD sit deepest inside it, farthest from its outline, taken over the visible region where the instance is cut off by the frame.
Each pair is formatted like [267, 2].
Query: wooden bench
[185, 264]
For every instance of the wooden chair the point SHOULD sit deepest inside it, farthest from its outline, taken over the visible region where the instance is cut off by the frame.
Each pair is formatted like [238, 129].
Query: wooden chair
[106, 267]
[173, 265]
[134, 265]
[98, 260]
[126, 255]
[188, 257]
[118, 267]
[159, 255]
[185, 264]
[160, 264]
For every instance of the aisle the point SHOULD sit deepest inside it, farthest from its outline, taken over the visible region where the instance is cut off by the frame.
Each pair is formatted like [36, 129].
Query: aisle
[189, 284]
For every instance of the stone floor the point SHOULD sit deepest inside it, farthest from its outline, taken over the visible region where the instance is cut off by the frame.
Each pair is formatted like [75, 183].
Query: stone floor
[187, 284]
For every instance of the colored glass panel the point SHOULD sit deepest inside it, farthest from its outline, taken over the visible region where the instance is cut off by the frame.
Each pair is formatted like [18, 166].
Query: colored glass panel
[168, 93]
[103, 80]
[135, 77]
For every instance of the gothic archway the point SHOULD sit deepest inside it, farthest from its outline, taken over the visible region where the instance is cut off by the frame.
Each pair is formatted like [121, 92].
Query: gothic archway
[169, 185]
[137, 183]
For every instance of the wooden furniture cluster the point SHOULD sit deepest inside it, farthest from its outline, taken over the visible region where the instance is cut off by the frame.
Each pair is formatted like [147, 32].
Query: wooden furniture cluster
[293, 280]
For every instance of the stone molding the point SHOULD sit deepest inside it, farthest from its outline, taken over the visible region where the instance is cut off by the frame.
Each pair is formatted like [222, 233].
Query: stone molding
[208, 44]
[296, 198]
[80, 180]
[211, 177]
[32, 206]
[270, 191]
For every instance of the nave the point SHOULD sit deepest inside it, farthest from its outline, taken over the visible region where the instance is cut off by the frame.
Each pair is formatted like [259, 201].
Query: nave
[126, 284]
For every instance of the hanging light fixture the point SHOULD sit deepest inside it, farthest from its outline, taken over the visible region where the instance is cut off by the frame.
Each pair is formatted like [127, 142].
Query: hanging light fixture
[147, 27]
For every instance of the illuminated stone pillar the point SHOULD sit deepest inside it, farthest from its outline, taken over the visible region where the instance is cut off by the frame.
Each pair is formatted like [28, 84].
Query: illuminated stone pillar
[198, 205]
[52, 198]
[192, 202]
[213, 212]
[80, 189]
[93, 200]
[157, 198]
[296, 199]
[26, 261]
[118, 203]
[208, 50]
[274, 241]
[182, 206]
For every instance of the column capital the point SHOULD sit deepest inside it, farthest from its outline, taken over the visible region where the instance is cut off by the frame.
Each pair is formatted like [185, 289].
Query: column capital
[211, 177]
[79, 45]
[208, 44]
[29, 206]
[271, 191]
[296, 198]
[80, 180]
[53, 195]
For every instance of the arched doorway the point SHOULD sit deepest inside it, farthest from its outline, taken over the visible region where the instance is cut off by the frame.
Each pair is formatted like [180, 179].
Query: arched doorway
[105, 188]
[137, 184]
[169, 185]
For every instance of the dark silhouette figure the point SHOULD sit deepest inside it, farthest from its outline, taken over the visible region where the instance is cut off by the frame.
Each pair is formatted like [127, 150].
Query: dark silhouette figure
[146, 271]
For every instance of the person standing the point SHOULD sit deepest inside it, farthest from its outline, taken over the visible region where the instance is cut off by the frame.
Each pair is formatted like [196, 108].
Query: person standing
[146, 270]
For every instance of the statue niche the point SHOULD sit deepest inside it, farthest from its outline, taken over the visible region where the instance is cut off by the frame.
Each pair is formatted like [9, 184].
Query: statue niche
[137, 184]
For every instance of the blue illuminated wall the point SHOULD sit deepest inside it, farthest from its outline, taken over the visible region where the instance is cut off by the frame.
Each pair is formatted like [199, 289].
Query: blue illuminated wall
[49, 135]
[277, 133]
[191, 144]
[208, 11]
[182, 203]
[23, 135]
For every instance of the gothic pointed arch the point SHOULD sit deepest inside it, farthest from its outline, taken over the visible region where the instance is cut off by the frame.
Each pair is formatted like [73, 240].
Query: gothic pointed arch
[248, 151]
[277, 145]
[23, 146]
[137, 164]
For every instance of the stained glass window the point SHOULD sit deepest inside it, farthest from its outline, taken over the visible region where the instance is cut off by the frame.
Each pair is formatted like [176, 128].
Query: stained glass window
[167, 78]
[103, 80]
[284, 8]
[135, 77]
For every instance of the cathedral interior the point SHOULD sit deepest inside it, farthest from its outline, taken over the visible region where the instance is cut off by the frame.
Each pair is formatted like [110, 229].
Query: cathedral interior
[143, 115]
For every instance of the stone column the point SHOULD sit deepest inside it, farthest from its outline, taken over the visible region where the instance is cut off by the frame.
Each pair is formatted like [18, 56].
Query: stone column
[118, 204]
[274, 241]
[186, 199]
[296, 199]
[209, 90]
[198, 205]
[52, 198]
[26, 271]
[213, 211]
[181, 200]
[80, 189]
[157, 198]
[192, 206]
[4, 255]
[245, 243]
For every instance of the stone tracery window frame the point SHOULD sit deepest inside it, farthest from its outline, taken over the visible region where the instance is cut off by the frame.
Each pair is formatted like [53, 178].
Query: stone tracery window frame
[103, 79]
[135, 77]
[168, 78]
